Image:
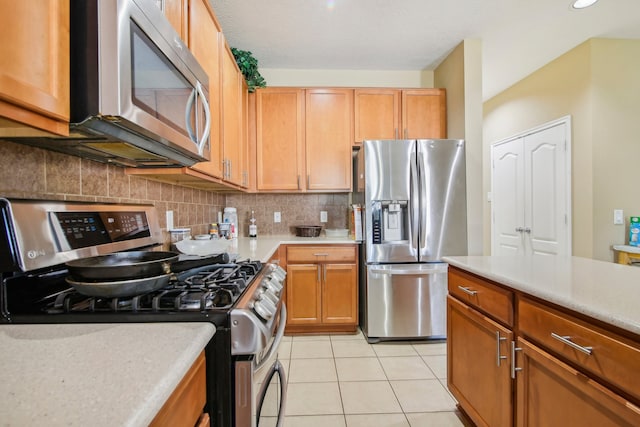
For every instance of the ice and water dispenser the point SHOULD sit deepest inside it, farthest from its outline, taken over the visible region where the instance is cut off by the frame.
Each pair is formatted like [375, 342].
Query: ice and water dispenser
[390, 221]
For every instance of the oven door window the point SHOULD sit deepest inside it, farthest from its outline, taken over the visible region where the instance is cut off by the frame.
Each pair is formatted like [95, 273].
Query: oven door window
[158, 87]
[271, 397]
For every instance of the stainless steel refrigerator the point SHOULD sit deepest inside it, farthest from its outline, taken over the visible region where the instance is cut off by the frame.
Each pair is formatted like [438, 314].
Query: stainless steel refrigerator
[414, 213]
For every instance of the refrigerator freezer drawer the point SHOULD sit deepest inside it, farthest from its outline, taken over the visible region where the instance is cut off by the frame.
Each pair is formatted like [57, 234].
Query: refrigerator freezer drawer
[406, 301]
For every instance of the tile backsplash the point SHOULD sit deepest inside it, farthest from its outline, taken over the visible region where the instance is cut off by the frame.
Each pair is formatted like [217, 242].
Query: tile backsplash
[32, 173]
[295, 209]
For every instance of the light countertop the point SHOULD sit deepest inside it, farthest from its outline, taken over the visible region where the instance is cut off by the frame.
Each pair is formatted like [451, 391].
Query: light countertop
[602, 290]
[93, 374]
[263, 247]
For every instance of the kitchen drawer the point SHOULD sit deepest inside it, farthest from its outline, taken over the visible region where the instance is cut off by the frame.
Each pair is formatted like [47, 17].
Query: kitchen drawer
[612, 357]
[314, 254]
[483, 295]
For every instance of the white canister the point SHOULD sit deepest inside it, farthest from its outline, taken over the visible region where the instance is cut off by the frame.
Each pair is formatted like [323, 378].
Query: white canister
[231, 216]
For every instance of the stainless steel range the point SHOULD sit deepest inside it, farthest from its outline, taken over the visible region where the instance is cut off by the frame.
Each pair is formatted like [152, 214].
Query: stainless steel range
[42, 241]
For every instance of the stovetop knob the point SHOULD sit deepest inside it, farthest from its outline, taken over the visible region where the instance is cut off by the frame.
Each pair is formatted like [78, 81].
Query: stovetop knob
[262, 309]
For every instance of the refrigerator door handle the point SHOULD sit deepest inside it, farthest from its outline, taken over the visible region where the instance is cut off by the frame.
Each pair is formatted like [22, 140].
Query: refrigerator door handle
[414, 205]
[422, 209]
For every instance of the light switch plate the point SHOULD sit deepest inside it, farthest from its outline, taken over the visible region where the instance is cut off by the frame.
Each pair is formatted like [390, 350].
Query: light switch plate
[277, 217]
[618, 217]
[323, 216]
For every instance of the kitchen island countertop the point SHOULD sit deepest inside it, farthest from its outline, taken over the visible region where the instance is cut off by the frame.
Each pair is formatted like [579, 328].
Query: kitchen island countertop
[94, 374]
[602, 290]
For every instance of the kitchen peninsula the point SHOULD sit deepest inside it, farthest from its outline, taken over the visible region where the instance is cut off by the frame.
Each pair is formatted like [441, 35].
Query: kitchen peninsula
[557, 340]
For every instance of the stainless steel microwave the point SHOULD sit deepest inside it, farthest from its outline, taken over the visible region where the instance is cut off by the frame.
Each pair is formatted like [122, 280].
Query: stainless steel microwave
[139, 98]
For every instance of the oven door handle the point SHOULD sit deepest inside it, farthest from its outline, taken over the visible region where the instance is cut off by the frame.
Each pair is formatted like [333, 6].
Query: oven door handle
[277, 339]
[277, 368]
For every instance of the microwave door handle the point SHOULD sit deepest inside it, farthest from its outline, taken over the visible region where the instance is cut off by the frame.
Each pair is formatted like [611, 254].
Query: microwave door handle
[207, 117]
[187, 115]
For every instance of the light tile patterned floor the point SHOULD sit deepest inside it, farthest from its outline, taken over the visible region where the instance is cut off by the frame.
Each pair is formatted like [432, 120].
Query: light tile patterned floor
[343, 381]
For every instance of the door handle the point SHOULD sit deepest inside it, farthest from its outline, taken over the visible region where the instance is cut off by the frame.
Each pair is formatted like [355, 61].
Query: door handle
[519, 229]
[527, 230]
[187, 115]
[499, 339]
[513, 359]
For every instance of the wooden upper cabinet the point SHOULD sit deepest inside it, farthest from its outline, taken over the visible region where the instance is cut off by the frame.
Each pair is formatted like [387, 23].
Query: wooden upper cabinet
[205, 41]
[328, 137]
[279, 138]
[424, 113]
[177, 13]
[377, 114]
[232, 134]
[34, 64]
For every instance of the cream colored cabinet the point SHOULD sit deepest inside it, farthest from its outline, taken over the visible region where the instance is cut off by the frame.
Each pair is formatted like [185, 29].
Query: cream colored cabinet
[303, 139]
[398, 113]
[206, 43]
[321, 288]
[34, 67]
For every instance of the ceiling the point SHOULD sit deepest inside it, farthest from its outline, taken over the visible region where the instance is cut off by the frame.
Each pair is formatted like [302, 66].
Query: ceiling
[518, 36]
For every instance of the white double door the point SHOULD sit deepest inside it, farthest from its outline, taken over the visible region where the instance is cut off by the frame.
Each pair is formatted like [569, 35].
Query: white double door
[531, 197]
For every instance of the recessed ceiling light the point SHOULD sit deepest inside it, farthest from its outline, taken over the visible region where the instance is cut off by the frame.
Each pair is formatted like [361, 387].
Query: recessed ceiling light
[581, 4]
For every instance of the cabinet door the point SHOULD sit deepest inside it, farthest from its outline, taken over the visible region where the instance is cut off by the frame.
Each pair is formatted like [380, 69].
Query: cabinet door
[339, 293]
[424, 113]
[478, 370]
[329, 137]
[34, 64]
[279, 138]
[232, 117]
[377, 114]
[304, 298]
[177, 13]
[205, 40]
[551, 393]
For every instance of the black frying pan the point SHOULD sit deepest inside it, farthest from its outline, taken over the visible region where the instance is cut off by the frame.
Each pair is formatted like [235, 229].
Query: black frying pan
[136, 265]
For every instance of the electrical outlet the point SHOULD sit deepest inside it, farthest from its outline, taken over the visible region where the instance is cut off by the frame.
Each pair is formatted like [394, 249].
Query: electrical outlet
[277, 217]
[169, 220]
[618, 217]
[323, 216]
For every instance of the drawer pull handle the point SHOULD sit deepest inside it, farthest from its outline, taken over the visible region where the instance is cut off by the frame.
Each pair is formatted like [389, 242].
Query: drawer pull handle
[320, 254]
[513, 359]
[567, 340]
[498, 356]
[467, 291]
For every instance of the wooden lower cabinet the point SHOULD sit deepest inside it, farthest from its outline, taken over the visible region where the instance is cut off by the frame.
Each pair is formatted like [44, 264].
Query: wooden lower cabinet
[321, 288]
[478, 368]
[548, 368]
[551, 393]
[185, 405]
